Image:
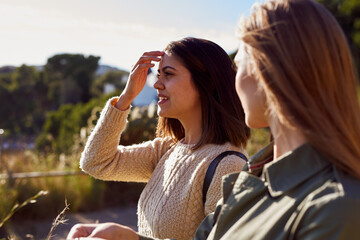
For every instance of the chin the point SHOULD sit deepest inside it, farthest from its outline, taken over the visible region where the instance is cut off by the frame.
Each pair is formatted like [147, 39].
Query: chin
[165, 114]
[255, 124]
[161, 113]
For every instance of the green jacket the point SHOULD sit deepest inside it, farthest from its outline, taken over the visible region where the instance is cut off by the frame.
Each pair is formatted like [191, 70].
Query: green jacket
[300, 196]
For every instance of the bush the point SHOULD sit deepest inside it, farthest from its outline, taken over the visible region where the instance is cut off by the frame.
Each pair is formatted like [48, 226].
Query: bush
[63, 126]
[83, 193]
[259, 139]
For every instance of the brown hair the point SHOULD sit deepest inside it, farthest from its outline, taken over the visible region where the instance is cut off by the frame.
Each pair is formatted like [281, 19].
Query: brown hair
[301, 58]
[213, 74]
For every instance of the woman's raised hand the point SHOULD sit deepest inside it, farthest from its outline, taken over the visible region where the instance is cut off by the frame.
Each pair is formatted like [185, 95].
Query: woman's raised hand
[137, 78]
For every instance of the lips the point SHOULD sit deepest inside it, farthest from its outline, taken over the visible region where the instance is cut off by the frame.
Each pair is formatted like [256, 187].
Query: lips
[162, 99]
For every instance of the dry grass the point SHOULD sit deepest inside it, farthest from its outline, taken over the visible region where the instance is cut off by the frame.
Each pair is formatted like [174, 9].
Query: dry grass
[60, 219]
[17, 206]
[19, 190]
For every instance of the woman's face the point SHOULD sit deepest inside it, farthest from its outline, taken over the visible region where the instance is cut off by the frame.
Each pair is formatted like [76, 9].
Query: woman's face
[178, 96]
[252, 96]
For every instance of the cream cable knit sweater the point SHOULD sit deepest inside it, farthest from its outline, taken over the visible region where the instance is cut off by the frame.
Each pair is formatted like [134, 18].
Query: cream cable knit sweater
[170, 205]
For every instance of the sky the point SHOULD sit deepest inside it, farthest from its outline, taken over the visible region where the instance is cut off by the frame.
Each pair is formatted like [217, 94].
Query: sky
[118, 31]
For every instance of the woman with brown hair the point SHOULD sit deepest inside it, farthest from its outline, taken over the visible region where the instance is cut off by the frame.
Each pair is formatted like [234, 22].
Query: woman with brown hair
[199, 118]
[295, 75]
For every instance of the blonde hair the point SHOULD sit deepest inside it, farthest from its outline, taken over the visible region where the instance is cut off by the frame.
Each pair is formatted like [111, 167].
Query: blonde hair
[301, 58]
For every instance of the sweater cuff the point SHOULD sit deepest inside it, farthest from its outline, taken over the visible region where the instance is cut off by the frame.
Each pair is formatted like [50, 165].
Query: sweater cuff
[144, 238]
[148, 238]
[112, 113]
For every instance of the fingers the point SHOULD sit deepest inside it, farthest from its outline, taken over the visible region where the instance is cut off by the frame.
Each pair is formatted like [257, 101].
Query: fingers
[148, 57]
[81, 230]
[144, 66]
[154, 53]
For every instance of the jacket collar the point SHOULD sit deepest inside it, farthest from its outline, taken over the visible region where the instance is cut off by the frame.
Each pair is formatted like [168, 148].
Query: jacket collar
[291, 169]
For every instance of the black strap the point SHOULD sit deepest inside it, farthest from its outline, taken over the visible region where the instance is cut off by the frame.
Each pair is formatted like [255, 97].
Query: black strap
[212, 167]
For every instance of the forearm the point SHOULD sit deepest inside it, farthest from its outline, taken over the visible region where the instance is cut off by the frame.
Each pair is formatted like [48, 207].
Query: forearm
[123, 102]
[105, 159]
[101, 146]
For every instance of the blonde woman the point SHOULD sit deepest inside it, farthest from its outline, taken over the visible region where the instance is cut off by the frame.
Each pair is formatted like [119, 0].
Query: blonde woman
[295, 75]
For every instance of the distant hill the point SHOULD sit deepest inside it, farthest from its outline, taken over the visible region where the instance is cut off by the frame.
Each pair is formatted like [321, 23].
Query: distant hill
[105, 68]
[7, 69]
[99, 71]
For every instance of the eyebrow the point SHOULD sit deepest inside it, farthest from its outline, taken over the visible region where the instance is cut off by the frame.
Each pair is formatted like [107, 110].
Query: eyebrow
[166, 67]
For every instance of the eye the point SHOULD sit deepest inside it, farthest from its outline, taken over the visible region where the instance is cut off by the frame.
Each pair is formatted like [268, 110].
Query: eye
[165, 73]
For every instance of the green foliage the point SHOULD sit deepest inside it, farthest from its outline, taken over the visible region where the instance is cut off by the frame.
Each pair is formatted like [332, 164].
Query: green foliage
[141, 125]
[70, 77]
[259, 138]
[116, 78]
[62, 129]
[7, 200]
[24, 114]
[232, 55]
[347, 13]
[63, 126]
[29, 93]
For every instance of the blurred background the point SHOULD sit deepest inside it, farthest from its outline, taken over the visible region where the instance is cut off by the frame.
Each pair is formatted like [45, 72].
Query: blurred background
[60, 62]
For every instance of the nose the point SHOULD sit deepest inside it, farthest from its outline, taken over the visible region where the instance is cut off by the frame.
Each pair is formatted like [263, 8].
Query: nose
[158, 85]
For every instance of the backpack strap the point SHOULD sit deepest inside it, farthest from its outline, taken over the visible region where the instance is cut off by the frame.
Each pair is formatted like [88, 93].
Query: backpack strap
[212, 167]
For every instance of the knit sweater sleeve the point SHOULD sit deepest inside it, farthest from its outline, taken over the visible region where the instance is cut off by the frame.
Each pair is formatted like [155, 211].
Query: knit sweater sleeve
[229, 164]
[105, 159]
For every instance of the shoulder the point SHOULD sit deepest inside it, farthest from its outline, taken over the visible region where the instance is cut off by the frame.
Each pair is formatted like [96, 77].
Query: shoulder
[157, 143]
[234, 158]
[233, 163]
[333, 197]
[227, 165]
[343, 187]
[337, 192]
[163, 141]
[349, 184]
[229, 157]
[332, 210]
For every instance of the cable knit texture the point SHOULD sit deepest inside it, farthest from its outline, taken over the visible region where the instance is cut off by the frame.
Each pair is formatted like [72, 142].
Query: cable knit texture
[170, 205]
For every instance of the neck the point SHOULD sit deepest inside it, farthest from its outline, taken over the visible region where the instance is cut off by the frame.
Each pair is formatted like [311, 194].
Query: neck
[193, 128]
[285, 138]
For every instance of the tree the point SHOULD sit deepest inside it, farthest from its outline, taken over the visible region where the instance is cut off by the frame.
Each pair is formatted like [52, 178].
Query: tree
[63, 125]
[347, 13]
[21, 108]
[116, 78]
[69, 77]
